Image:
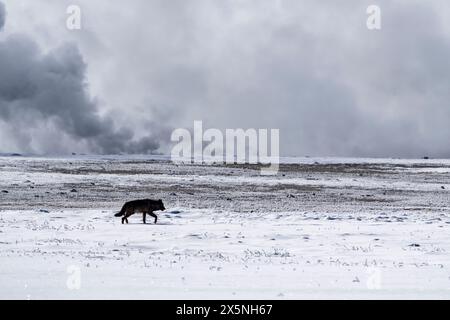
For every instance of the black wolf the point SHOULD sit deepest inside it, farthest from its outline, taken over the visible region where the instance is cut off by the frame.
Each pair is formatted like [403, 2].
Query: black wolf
[146, 206]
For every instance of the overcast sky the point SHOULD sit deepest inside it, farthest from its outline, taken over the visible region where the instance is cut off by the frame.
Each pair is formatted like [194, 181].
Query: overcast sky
[140, 68]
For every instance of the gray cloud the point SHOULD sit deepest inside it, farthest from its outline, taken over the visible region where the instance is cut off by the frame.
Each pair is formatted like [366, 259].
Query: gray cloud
[39, 90]
[2, 15]
[310, 68]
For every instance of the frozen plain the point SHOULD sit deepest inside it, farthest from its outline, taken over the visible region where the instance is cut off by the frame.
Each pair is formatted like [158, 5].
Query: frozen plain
[322, 228]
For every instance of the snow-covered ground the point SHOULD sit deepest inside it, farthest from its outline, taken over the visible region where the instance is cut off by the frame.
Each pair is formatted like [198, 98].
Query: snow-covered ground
[322, 228]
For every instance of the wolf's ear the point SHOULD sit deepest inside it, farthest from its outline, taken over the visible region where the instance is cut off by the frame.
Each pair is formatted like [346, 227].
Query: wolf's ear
[160, 200]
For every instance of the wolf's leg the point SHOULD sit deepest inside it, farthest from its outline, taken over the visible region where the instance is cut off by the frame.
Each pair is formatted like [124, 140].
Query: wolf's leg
[143, 216]
[123, 219]
[154, 215]
[128, 213]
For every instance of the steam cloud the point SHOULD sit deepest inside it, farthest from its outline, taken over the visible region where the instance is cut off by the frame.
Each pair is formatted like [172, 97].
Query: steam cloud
[2, 15]
[309, 68]
[40, 90]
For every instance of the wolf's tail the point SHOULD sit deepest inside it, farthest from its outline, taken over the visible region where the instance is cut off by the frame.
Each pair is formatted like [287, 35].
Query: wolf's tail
[120, 213]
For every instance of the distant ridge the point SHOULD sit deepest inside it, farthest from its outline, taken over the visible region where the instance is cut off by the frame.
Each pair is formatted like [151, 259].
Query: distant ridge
[10, 154]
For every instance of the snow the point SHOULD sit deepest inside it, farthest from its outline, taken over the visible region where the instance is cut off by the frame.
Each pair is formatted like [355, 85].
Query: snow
[322, 228]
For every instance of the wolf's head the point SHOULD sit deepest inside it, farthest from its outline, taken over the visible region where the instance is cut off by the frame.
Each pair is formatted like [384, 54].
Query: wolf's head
[161, 205]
